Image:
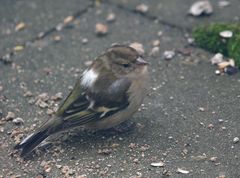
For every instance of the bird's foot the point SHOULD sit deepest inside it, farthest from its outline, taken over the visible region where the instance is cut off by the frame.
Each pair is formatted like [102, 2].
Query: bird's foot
[124, 127]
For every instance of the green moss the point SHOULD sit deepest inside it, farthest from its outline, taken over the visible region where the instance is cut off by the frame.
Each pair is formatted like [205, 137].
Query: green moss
[234, 49]
[208, 37]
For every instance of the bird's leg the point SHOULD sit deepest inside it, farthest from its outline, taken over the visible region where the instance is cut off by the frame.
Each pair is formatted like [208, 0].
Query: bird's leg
[124, 127]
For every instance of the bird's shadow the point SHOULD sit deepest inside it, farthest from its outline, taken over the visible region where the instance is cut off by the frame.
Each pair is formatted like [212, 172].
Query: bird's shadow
[83, 140]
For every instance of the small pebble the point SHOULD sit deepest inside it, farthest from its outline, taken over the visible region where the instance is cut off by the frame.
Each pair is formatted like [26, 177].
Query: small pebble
[144, 147]
[10, 116]
[114, 145]
[168, 54]
[230, 70]
[40, 35]
[101, 29]
[156, 43]
[59, 27]
[222, 176]
[183, 171]
[50, 111]
[20, 26]
[202, 109]
[18, 120]
[31, 101]
[199, 157]
[105, 151]
[111, 17]
[201, 7]
[217, 58]
[84, 41]
[160, 33]
[166, 173]
[155, 51]
[65, 169]
[217, 72]
[213, 159]
[226, 34]
[68, 19]
[41, 104]
[48, 169]
[18, 48]
[39, 176]
[136, 161]
[132, 145]
[43, 96]
[70, 87]
[190, 41]
[71, 172]
[142, 8]
[185, 151]
[220, 120]
[224, 128]
[1, 129]
[28, 94]
[6, 58]
[223, 3]
[57, 96]
[210, 126]
[158, 164]
[57, 38]
[235, 140]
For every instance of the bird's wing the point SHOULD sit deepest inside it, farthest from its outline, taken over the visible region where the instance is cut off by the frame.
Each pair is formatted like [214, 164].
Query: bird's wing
[75, 100]
[83, 106]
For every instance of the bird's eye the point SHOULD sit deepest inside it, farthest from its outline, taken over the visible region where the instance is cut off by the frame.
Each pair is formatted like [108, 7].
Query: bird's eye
[126, 65]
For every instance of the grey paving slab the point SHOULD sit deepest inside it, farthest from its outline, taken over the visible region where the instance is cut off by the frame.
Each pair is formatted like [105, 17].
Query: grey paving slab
[38, 16]
[176, 12]
[170, 125]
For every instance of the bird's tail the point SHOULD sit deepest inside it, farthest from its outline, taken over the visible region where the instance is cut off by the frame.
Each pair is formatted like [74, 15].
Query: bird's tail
[32, 141]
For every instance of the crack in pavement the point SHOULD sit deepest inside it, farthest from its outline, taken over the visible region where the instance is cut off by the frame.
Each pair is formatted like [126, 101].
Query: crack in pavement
[150, 17]
[6, 59]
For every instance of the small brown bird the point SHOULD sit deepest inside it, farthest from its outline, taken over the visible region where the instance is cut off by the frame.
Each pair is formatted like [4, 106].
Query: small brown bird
[110, 91]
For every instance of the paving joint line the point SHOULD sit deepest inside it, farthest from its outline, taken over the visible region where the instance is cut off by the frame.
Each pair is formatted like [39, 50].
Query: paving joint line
[149, 17]
[6, 58]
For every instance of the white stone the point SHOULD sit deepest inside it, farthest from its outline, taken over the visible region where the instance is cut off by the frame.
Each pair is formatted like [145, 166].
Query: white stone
[201, 7]
[168, 54]
[217, 58]
[226, 34]
[179, 170]
[235, 140]
[158, 164]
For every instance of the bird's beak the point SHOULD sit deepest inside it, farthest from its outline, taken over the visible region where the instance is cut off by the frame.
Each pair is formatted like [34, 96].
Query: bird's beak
[141, 61]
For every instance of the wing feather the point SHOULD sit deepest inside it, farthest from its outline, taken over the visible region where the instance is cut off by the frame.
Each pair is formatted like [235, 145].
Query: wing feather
[82, 106]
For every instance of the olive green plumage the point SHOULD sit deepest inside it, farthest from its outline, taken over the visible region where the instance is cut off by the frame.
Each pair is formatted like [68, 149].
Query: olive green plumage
[110, 91]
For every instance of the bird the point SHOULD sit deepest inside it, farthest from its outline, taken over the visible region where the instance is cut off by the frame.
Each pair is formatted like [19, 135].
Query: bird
[107, 93]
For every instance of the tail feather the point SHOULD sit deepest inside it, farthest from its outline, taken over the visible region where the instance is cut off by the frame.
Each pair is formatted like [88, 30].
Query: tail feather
[31, 142]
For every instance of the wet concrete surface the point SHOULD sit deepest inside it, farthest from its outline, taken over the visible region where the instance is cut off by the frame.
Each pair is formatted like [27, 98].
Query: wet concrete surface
[189, 117]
